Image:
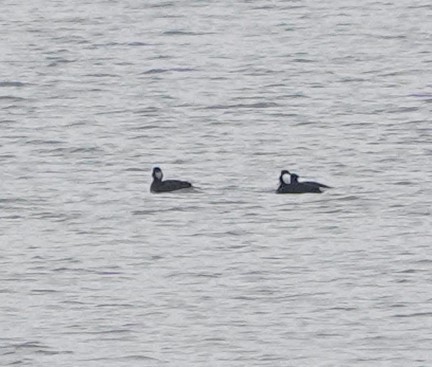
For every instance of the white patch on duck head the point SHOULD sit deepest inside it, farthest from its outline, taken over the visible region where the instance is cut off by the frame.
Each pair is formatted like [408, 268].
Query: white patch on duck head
[286, 178]
[157, 172]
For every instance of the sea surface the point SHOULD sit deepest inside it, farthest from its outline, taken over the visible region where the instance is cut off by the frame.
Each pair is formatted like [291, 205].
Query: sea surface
[96, 271]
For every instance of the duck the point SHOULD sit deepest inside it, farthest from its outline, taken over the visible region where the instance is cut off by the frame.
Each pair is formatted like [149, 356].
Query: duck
[293, 186]
[158, 185]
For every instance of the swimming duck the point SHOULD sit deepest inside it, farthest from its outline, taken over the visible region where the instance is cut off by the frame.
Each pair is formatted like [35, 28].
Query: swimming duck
[291, 184]
[168, 185]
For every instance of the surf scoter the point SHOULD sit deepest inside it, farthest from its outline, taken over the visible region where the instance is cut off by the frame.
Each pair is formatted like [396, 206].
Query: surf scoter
[296, 187]
[168, 185]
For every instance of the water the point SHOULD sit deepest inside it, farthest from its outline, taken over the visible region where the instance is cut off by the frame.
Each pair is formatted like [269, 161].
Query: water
[96, 271]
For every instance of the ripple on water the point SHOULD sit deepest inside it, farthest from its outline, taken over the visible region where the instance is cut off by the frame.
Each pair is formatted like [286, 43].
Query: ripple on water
[96, 270]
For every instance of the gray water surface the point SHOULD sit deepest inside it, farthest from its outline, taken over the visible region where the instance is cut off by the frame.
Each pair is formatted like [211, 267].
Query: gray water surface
[96, 271]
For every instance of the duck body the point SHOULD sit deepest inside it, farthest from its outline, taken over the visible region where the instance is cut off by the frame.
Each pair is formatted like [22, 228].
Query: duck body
[299, 188]
[158, 185]
[296, 187]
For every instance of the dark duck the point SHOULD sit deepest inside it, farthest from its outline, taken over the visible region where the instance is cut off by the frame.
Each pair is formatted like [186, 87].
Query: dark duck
[291, 185]
[168, 185]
